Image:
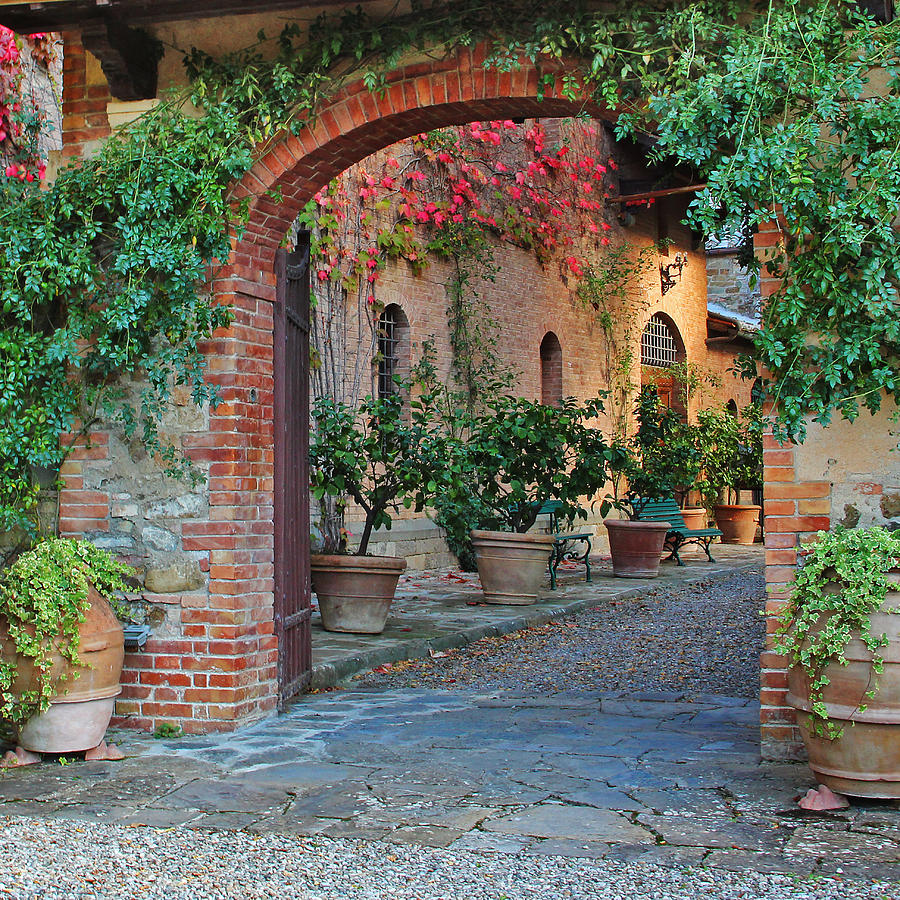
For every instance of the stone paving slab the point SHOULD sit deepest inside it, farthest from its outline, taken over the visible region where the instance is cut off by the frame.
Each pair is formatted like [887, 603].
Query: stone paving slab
[442, 610]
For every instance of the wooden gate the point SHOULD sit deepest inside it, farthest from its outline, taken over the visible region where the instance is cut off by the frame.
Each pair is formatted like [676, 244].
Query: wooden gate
[291, 361]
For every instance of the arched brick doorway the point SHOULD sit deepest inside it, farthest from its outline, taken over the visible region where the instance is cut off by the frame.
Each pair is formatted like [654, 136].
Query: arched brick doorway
[240, 531]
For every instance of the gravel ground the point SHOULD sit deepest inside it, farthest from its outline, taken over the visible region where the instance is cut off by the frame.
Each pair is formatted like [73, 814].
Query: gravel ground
[701, 639]
[84, 861]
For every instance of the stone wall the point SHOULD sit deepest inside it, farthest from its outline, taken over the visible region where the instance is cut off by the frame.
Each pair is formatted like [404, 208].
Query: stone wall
[731, 284]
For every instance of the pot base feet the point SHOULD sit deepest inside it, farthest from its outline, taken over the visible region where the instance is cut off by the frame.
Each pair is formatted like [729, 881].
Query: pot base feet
[822, 799]
[103, 751]
[19, 757]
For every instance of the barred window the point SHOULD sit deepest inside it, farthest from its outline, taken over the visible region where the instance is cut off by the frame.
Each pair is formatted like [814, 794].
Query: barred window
[658, 346]
[392, 340]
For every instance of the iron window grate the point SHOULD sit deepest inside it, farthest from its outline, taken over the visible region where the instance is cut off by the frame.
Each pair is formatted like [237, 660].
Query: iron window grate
[658, 347]
[389, 325]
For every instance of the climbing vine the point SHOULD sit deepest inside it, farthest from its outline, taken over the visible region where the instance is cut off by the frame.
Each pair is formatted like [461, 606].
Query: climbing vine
[789, 108]
[450, 196]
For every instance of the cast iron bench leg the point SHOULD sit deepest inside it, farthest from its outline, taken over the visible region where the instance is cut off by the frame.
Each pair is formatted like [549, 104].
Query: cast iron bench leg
[554, 562]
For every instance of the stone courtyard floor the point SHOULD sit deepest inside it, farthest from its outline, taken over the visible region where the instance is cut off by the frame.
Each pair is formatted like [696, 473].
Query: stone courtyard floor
[440, 610]
[503, 791]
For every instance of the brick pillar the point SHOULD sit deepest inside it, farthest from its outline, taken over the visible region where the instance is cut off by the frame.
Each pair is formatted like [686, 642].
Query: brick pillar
[795, 509]
[238, 616]
[85, 96]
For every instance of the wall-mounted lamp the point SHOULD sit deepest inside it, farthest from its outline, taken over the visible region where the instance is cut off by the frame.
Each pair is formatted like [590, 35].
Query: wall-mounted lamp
[670, 274]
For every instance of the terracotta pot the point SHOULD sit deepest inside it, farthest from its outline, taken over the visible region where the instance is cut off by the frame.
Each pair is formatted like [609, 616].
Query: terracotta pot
[635, 547]
[737, 523]
[865, 760]
[511, 566]
[79, 716]
[355, 592]
[694, 517]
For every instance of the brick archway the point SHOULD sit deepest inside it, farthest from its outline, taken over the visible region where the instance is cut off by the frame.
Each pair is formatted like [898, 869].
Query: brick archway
[239, 446]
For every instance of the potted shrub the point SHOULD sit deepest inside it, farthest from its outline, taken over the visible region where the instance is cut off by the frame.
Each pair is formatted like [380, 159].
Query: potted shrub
[381, 455]
[732, 461]
[670, 448]
[841, 633]
[61, 644]
[517, 455]
[635, 546]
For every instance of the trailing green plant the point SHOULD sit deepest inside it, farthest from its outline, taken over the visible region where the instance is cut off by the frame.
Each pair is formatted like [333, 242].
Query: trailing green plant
[611, 289]
[843, 579]
[43, 600]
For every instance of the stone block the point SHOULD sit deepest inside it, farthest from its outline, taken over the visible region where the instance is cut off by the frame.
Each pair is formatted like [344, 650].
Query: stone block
[187, 506]
[180, 576]
[159, 539]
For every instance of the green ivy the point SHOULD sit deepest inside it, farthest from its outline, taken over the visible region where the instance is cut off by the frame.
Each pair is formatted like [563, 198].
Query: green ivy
[844, 578]
[43, 600]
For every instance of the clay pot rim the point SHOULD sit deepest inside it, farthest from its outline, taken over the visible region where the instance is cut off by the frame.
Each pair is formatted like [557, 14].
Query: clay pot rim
[351, 561]
[736, 506]
[516, 537]
[631, 523]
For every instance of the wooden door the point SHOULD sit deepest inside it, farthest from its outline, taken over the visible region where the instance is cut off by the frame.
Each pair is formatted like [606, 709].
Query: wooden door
[291, 364]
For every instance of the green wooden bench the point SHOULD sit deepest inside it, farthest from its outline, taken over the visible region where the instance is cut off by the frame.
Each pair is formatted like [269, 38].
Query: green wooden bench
[679, 534]
[566, 544]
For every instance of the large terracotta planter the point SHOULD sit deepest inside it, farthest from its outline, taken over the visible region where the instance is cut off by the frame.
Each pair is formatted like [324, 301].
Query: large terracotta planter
[737, 523]
[635, 547]
[865, 760]
[355, 592]
[79, 716]
[511, 566]
[694, 517]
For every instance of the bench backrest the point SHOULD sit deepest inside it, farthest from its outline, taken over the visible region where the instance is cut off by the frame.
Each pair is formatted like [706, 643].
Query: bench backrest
[551, 508]
[662, 511]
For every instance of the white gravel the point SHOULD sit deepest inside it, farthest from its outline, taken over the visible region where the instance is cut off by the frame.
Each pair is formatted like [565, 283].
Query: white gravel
[50, 860]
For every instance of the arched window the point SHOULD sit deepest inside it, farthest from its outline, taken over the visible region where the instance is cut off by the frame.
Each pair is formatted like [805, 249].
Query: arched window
[551, 370]
[662, 348]
[732, 407]
[659, 347]
[393, 349]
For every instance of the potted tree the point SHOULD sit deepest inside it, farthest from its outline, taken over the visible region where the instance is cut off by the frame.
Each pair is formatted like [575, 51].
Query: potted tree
[841, 632]
[517, 455]
[641, 466]
[669, 448]
[61, 644]
[381, 455]
[732, 461]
